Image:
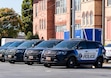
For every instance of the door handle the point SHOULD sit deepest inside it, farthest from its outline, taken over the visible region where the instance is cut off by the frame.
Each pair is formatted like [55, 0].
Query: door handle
[86, 51]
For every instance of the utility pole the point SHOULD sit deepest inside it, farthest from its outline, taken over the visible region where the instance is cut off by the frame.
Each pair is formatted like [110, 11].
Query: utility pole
[103, 23]
[73, 19]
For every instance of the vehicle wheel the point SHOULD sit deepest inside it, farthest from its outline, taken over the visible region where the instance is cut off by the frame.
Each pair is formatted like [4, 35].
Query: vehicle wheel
[99, 63]
[3, 60]
[106, 60]
[12, 62]
[71, 63]
[30, 63]
[47, 65]
[25, 62]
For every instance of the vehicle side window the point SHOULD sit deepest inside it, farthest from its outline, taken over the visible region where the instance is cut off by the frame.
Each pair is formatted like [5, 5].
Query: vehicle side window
[82, 45]
[91, 45]
[99, 45]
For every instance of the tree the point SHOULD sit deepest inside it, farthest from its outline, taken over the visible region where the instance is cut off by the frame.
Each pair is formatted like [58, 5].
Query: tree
[9, 23]
[27, 15]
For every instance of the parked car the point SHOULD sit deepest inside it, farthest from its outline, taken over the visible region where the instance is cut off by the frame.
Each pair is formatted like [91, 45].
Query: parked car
[108, 52]
[7, 46]
[75, 52]
[32, 55]
[16, 54]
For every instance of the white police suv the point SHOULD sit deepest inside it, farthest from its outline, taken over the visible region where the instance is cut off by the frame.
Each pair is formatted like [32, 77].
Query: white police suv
[74, 52]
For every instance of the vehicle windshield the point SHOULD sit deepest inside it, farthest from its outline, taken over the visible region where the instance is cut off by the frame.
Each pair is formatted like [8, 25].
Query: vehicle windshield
[26, 44]
[46, 44]
[15, 44]
[7, 44]
[67, 44]
[109, 45]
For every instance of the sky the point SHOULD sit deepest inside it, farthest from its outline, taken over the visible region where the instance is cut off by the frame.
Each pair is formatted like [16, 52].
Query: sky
[15, 4]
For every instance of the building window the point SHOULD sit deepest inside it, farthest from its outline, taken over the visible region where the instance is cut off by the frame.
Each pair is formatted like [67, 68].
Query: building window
[36, 10]
[40, 24]
[78, 5]
[60, 6]
[43, 23]
[77, 26]
[109, 2]
[87, 19]
[35, 27]
[91, 18]
[61, 28]
[83, 18]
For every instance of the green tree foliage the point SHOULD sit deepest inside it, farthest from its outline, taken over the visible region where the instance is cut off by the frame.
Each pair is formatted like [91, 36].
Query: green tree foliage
[27, 15]
[31, 36]
[10, 23]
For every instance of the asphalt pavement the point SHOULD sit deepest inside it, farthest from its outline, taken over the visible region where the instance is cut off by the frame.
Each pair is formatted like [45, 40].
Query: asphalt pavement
[21, 70]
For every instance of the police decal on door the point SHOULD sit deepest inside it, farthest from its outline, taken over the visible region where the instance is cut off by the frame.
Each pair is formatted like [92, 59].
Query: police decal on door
[87, 54]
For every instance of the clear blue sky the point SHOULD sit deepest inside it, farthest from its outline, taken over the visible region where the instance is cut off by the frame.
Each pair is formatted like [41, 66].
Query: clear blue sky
[15, 4]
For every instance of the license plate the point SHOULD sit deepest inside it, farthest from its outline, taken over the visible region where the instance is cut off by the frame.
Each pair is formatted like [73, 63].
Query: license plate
[48, 58]
[30, 57]
[0, 55]
[9, 56]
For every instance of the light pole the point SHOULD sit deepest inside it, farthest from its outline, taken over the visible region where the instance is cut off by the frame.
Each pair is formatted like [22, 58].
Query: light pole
[73, 19]
[103, 23]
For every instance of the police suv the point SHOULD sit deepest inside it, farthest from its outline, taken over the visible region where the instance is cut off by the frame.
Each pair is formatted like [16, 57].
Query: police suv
[74, 52]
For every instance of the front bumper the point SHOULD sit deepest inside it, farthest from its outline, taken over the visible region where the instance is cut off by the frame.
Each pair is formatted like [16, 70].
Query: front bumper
[10, 57]
[55, 60]
[108, 57]
[32, 58]
[15, 57]
[2, 56]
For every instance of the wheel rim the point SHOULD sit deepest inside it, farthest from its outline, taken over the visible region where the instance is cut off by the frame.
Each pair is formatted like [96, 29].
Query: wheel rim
[99, 63]
[71, 62]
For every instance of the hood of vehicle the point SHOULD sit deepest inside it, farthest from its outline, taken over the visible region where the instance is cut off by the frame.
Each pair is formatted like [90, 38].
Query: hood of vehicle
[107, 47]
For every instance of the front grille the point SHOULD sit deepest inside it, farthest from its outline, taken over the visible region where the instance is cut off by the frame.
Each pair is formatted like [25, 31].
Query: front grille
[50, 53]
[21, 51]
[32, 52]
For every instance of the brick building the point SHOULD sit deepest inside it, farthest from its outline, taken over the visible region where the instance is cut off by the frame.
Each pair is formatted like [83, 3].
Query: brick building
[52, 18]
[43, 18]
[107, 21]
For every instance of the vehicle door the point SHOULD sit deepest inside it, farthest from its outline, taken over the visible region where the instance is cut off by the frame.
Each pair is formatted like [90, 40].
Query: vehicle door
[88, 53]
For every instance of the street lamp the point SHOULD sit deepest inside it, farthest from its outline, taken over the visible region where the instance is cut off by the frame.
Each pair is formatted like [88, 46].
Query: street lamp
[103, 23]
[73, 19]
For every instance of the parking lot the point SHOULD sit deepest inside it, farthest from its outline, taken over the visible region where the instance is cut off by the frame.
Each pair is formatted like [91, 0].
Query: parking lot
[21, 70]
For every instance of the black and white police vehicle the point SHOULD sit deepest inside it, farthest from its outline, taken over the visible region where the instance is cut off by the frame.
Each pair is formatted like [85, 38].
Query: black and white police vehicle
[73, 53]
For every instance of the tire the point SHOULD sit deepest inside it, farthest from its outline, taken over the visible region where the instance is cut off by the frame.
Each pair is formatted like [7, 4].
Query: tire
[30, 63]
[3, 60]
[25, 62]
[99, 63]
[47, 65]
[71, 63]
[12, 62]
[106, 60]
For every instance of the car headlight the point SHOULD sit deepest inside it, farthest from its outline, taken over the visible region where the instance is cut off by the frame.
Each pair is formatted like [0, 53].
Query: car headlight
[61, 53]
[2, 51]
[12, 50]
